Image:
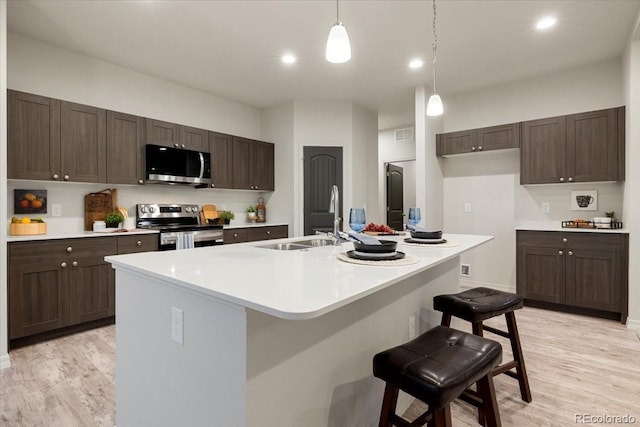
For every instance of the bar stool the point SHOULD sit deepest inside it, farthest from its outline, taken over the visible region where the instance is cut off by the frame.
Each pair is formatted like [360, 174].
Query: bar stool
[436, 368]
[479, 304]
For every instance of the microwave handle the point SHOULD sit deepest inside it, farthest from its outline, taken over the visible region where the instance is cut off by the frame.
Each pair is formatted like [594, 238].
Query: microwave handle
[201, 165]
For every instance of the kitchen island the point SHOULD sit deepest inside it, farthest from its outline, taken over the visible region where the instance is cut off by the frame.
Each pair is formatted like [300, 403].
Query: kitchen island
[246, 335]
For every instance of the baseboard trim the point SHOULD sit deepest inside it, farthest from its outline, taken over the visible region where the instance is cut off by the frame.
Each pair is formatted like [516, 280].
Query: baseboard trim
[5, 362]
[466, 284]
[633, 324]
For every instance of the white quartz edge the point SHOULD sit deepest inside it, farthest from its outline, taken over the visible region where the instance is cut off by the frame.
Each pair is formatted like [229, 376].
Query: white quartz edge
[253, 224]
[75, 235]
[285, 284]
[558, 227]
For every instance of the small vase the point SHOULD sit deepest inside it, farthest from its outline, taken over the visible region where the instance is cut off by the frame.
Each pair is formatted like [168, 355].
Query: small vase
[112, 224]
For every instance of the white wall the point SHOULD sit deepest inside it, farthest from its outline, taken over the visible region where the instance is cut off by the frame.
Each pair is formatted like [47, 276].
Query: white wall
[632, 183]
[4, 356]
[490, 181]
[365, 191]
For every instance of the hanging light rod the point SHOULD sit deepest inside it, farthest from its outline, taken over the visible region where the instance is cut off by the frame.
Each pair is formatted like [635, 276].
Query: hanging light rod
[338, 46]
[434, 106]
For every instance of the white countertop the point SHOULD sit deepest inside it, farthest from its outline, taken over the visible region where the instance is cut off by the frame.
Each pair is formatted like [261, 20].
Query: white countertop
[556, 226]
[299, 284]
[73, 235]
[254, 224]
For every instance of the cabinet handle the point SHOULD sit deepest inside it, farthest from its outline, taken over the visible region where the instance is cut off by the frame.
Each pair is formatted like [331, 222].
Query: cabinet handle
[139, 243]
[213, 185]
[570, 179]
[235, 234]
[560, 253]
[176, 145]
[69, 249]
[74, 263]
[140, 181]
[63, 264]
[565, 240]
[256, 187]
[473, 148]
[480, 148]
[56, 176]
[182, 146]
[570, 253]
[268, 232]
[66, 177]
[561, 179]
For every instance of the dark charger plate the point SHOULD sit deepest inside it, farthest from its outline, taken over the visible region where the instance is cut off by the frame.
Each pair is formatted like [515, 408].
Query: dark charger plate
[376, 257]
[426, 242]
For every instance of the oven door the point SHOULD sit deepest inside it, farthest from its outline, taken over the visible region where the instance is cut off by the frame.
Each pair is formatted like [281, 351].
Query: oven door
[190, 239]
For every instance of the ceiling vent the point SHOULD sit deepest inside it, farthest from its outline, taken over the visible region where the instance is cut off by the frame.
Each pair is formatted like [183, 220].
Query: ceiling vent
[404, 135]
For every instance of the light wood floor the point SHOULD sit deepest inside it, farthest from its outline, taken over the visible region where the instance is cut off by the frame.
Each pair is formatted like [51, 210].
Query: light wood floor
[576, 365]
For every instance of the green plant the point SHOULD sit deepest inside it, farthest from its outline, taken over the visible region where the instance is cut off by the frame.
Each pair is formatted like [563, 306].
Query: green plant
[610, 214]
[113, 218]
[251, 208]
[227, 215]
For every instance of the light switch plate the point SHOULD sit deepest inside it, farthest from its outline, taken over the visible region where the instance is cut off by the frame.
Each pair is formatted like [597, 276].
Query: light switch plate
[56, 209]
[467, 207]
[177, 325]
[546, 208]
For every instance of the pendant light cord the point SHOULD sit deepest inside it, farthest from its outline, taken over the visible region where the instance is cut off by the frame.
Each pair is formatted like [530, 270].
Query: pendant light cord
[435, 46]
[337, 12]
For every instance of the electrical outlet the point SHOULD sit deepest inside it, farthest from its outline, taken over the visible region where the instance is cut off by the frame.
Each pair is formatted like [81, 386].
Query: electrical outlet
[467, 207]
[412, 327]
[465, 270]
[546, 208]
[177, 325]
[56, 209]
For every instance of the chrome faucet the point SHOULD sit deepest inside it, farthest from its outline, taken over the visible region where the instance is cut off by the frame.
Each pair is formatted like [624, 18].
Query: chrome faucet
[334, 208]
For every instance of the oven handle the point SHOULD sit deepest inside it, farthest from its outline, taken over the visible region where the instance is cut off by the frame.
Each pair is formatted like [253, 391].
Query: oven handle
[201, 165]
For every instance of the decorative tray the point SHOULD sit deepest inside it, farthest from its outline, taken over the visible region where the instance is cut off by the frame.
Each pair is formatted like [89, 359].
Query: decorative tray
[590, 224]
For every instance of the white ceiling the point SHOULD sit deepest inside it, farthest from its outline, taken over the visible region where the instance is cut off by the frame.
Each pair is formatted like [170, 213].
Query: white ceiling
[232, 49]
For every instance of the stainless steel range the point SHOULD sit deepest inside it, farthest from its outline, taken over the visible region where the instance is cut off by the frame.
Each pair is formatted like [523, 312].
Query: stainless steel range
[177, 224]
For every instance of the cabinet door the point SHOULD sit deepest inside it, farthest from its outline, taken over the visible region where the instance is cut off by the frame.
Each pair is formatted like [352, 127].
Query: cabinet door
[235, 235]
[543, 151]
[593, 279]
[137, 243]
[499, 137]
[194, 139]
[241, 163]
[458, 142]
[91, 288]
[83, 141]
[262, 166]
[221, 149]
[592, 146]
[541, 273]
[267, 233]
[37, 296]
[125, 148]
[162, 133]
[33, 137]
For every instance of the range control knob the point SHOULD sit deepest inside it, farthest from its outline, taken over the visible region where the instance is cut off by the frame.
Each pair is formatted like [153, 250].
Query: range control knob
[152, 209]
[143, 209]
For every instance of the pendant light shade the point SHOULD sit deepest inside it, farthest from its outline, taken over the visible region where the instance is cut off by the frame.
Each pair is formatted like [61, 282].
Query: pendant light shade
[338, 46]
[434, 106]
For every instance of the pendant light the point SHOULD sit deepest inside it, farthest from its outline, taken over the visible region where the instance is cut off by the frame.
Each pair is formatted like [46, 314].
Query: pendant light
[338, 46]
[434, 106]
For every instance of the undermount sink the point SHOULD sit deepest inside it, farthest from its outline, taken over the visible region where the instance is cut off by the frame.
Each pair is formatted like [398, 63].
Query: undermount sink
[296, 246]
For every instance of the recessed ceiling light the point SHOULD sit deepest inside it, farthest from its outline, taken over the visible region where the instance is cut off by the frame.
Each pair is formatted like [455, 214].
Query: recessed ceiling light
[546, 22]
[288, 58]
[416, 63]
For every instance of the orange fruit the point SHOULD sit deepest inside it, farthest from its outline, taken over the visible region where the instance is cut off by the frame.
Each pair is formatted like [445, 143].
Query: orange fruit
[24, 204]
[29, 196]
[36, 204]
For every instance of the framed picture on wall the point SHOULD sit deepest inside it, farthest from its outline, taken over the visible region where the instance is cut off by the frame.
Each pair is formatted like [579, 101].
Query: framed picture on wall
[29, 201]
[585, 200]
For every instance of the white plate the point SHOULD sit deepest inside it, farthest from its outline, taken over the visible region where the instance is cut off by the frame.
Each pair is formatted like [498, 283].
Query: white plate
[376, 254]
[441, 240]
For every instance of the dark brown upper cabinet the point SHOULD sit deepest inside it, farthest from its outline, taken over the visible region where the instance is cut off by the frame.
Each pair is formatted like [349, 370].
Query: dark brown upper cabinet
[582, 147]
[125, 148]
[253, 164]
[474, 140]
[174, 135]
[221, 149]
[83, 143]
[33, 137]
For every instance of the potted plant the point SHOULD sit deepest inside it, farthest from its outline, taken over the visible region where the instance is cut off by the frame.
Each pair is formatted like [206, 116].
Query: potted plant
[251, 213]
[113, 219]
[226, 216]
[611, 214]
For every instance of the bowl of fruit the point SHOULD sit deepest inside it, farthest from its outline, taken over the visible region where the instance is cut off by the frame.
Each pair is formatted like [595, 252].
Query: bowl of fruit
[379, 230]
[27, 226]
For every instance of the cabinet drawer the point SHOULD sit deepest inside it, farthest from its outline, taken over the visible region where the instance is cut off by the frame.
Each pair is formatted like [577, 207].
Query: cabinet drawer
[137, 243]
[235, 235]
[267, 233]
[28, 252]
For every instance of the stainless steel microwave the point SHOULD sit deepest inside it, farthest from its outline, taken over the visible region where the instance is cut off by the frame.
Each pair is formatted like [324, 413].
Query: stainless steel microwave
[170, 165]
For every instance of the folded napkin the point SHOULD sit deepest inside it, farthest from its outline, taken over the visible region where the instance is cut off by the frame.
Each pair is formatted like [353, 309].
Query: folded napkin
[421, 230]
[365, 239]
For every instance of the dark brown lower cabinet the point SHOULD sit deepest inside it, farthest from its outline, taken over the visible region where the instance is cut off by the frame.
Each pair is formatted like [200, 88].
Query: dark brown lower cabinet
[254, 234]
[56, 286]
[574, 271]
